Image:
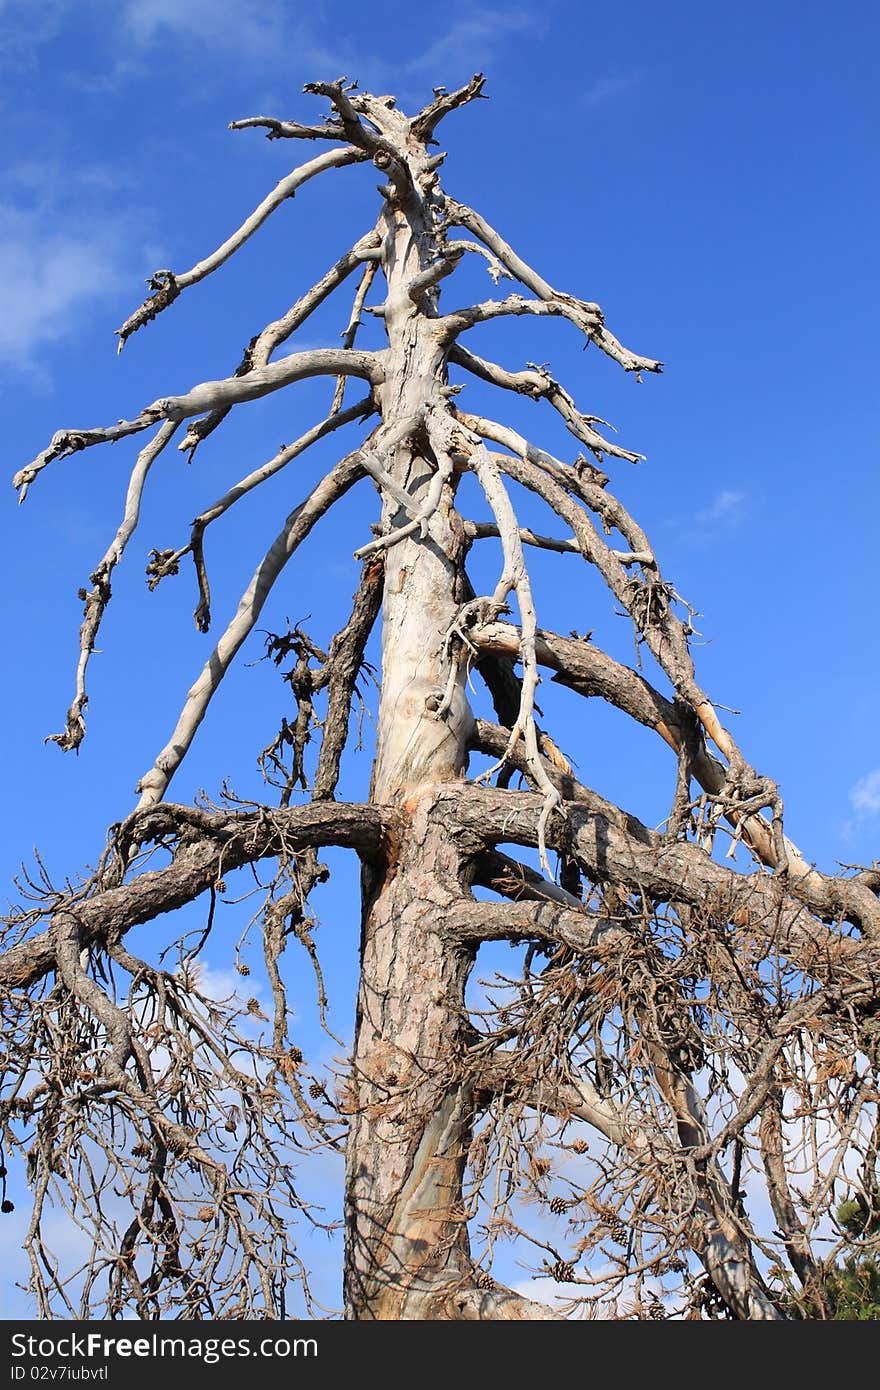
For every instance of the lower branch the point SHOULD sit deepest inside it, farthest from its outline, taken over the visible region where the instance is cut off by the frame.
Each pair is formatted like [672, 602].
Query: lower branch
[672, 872]
[589, 671]
[213, 843]
[714, 1238]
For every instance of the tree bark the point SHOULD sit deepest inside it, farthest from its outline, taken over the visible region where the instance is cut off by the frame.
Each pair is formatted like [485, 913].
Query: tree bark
[407, 1243]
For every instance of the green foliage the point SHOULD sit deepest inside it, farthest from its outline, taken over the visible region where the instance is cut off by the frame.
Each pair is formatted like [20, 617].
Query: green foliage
[853, 1215]
[853, 1290]
[853, 1287]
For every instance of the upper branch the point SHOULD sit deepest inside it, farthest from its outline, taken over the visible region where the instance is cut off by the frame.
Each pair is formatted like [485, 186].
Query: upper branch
[165, 562]
[167, 286]
[425, 123]
[291, 130]
[586, 315]
[67, 442]
[97, 598]
[339, 93]
[457, 320]
[263, 344]
[214, 395]
[537, 383]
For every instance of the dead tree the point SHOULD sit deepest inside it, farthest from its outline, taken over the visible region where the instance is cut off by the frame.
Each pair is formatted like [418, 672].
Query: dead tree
[691, 1038]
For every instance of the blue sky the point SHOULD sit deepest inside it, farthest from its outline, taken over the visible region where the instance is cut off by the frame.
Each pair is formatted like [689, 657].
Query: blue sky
[708, 174]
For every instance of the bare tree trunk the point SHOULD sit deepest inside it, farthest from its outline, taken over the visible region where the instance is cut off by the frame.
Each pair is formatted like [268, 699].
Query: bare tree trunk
[406, 1233]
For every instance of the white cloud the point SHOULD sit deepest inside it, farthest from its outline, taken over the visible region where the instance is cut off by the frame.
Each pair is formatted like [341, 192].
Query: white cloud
[240, 24]
[865, 795]
[262, 31]
[220, 984]
[728, 506]
[25, 22]
[471, 41]
[542, 1291]
[249, 30]
[48, 276]
[607, 88]
[256, 35]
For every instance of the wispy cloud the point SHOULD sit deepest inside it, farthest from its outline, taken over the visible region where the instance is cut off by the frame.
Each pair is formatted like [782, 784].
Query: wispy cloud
[259, 31]
[252, 29]
[471, 41]
[64, 244]
[132, 28]
[608, 88]
[539, 1290]
[48, 276]
[255, 36]
[865, 795]
[728, 506]
[25, 23]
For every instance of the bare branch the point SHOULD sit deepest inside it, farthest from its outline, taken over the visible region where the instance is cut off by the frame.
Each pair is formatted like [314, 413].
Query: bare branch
[591, 672]
[539, 385]
[482, 530]
[289, 130]
[261, 347]
[425, 123]
[519, 882]
[715, 1239]
[495, 740]
[355, 131]
[354, 323]
[167, 561]
[262, 381]
[514, 578]
[480, 1303]
[784, 1211]
[588, 316]
[97, 598]
[474, 922]
[345, 660]
[209, 396]
[169, 285]
[154, 783]
[515, 306]
[428, 279]
[225, 841]
[495, 269]
[678, 872]
[67, 442]
[383, 137]
[420, 514]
